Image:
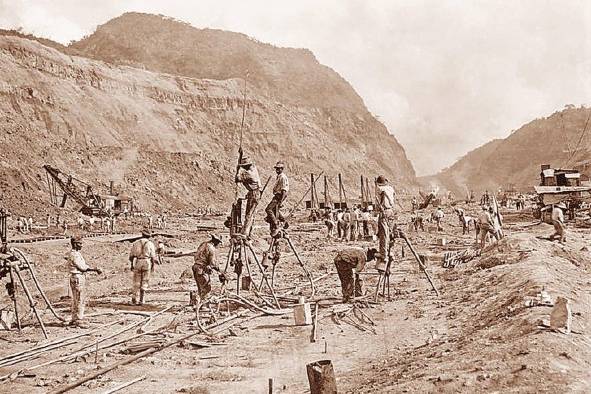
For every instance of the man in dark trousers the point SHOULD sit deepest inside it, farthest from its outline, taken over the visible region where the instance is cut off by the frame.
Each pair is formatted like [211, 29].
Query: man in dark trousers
[349, 263]
[248, 175]
[280, 191]
[205, 262]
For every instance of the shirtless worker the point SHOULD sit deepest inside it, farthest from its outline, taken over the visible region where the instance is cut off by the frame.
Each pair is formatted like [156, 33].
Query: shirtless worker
[280, 191]
[248, 175]
[349, 263]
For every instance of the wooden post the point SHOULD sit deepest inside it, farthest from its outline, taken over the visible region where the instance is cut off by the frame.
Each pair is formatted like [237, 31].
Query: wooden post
[270, 385]
[326, 198]
[340, 192]
[362, 192]
[321, 377]
[312, 203]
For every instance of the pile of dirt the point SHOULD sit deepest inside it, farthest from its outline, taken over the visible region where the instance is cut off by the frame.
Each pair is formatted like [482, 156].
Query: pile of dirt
[171, 141]
[495, 341]
[561, 140]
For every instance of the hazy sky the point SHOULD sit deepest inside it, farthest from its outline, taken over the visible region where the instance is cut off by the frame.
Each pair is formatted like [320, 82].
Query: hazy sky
[444, 76]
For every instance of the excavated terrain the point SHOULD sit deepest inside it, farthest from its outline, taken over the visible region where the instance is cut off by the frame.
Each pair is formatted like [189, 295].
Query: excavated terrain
[480, 335]
[168, 141]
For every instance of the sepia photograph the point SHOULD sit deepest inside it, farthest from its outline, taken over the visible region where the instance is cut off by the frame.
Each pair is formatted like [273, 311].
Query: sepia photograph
[328, 196]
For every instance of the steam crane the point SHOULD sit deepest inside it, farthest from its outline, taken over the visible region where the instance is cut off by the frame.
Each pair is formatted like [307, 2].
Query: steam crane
[77, 190]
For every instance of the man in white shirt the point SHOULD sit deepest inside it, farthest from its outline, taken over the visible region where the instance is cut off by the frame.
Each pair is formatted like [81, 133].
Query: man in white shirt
[386, 198]
[78, 268]
[143, 258]
[280, 191]
[558, 222]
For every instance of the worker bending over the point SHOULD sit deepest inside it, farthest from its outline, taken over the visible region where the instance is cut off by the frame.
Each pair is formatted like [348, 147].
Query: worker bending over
[349, 263]
[205, 262]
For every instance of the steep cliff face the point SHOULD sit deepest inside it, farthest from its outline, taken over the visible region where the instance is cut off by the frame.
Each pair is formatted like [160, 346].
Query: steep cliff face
[169, 141]
[562, 139]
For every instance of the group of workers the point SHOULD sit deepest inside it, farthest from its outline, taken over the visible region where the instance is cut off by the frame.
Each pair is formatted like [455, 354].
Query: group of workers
[248, 175]
[350, 224]
[144, 256]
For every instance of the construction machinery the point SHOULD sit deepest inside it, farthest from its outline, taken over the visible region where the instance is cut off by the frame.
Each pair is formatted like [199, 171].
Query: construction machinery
[91, 203]
[15, 265]
[561, 185]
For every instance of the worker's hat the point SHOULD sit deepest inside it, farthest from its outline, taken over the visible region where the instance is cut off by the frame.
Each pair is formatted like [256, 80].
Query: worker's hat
[381, 180]
[76, 239]
[216, 237]
[561, 205]
[146, 233]
[245, 161]
[279, 164]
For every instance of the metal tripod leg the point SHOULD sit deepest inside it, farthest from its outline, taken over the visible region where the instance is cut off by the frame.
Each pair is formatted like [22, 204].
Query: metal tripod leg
[18, 321]
[265, 278]
[32, 271]
[378, 287]
[229, 259]
[31, 302]
[293, 249]
[271, 247]
[245, 259]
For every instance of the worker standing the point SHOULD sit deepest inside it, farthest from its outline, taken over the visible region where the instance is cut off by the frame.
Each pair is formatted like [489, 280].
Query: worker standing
[248, 175]
[349, 263]
[486, 226]
[143, 260]
[355, 220]
[558, 222]
[78, 268]
[346, 224]
[439, 215]
[205, 261]
[365, 216]
[280, 191]
[385, 196]
[414, 204]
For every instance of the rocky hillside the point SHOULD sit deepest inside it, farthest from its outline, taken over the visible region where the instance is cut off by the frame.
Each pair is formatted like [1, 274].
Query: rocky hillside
[170, 140]
[293, 76]
[557, 140]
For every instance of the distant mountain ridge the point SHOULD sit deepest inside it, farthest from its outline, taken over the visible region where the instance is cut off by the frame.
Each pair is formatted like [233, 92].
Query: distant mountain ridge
[170, 46]
[557, 140]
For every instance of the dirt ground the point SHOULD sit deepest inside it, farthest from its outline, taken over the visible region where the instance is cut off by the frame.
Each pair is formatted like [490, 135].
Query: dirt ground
[478, 336]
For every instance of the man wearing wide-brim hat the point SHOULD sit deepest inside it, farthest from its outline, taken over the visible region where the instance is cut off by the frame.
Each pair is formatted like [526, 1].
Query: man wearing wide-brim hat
[143, 258]
[205, 261]
[248, 175]
[280, 190]
[385, 200]
[558, 222]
